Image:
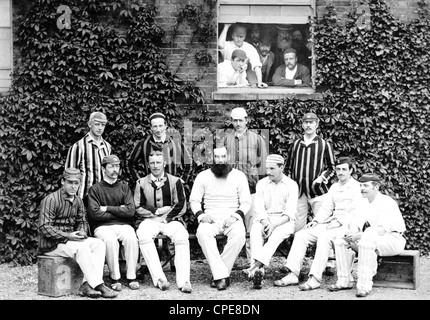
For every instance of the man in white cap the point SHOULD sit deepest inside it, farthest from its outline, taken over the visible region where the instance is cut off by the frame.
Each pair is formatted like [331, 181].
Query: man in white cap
[87, 153]
[377, 230]
[275, 208]
[232, 73]
[62, 233]
[220, 200]
[248, 152]
[226, 48]
[111, 216]
[330, 221]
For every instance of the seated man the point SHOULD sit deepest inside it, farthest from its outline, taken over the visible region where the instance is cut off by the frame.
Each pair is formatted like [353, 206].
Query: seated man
[382, 237]
[291, 74]
[111, 215]
[160, 203]
[331, 220]
[63, 233]
[232, 73]
[275, 208]
[220, 198]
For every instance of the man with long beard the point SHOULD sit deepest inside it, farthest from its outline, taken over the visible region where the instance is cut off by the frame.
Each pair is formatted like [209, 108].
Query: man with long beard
[220, 198]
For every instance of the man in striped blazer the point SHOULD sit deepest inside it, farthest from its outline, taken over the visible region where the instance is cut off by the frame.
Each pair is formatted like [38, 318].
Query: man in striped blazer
[87, 154]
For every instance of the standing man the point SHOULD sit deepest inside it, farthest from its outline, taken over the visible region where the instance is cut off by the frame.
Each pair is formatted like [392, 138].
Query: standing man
[62, 233]
[111, 215]
[220, 199]
[226, 48]
[171, 146]
[291, 73]
[248, 154]
[331, 220]
[275, 210]
[382, 237]
[160, 203]
[87, 154]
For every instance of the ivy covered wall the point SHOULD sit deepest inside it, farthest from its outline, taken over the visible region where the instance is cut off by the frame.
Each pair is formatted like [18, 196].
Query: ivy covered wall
[115, 58]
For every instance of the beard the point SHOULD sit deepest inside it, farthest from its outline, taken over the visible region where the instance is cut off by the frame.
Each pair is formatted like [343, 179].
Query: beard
[221, 170]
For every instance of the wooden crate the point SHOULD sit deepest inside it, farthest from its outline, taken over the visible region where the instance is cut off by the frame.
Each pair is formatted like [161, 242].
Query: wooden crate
[58, 276]
[401, 271]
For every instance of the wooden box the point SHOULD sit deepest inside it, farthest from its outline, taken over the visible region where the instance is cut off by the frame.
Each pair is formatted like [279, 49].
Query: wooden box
[401, 271]
[58, 276]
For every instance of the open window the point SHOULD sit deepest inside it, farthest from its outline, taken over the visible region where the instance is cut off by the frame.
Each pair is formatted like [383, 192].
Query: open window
[270, 28]
[5, 45]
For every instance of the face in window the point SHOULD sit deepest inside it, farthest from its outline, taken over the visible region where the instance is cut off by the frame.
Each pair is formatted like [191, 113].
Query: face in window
[255, 34]
[297, 38]
[290, 60]
[264, 49]
[237, 63]
[239, 35]
[158, 127]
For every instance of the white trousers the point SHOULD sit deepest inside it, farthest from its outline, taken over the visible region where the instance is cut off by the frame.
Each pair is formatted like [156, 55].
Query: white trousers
[263, 252]
[221, 264]
[147, 231]
[303, 204]
[112, 236]
[89, 255]
[249, 221]
[370, 246]
[324, 242]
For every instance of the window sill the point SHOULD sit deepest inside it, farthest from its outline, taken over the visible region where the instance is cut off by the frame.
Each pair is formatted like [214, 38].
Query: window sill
[270, 93]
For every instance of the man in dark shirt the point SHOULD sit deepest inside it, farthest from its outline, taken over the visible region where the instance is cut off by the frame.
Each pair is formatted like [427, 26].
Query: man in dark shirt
[111, 215]
[62, 233]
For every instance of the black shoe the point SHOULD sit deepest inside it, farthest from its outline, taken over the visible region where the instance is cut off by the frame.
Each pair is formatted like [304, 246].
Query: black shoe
[87, 291]
[214, 283]
[258, 279]
[106, 291]
[222, 284]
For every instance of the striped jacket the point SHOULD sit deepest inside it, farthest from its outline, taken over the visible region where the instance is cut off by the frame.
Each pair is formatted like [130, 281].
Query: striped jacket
[148, 197]
[306, 163]
[58, 217]
[86, 156]
[248, 154]
[174, 154]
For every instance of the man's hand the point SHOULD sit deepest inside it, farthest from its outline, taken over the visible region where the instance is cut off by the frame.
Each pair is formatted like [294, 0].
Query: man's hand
[297, 82]
[76, 236]
[228, 222]
[262, 85]
[103, 208]
[207, 219]
[333, 224]
[162, 210]
[311, 224]
[268, 230]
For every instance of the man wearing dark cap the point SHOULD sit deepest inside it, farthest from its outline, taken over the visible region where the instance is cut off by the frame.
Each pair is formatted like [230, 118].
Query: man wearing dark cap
[232, 73]
[62, 233]
[291, 73]
[331, 220]
[377, 230]
[275, 208]
[111, 216]
[87, 153]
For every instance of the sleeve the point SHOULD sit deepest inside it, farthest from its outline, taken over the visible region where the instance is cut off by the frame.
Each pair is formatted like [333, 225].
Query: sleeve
[254, 57]
[289, 163]
[279, 80]
[330, 161]
[81, 219]
[262, 155]
[394, 220]
[260, 211]
[47, 218]
[291, 205]
[127, 209]
[180, 202]
[305, 76]
[94, 211]
[196, 197]
[327, 207]
[133, 160]
[244, 197]
[75, 160]
[223, 77]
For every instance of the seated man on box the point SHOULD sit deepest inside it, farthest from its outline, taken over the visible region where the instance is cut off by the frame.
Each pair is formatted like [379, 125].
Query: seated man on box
[220, 198]
[160, 203]
[377, 230]
[331, 220]
[275, 208]
[63, 233]
[111, 215]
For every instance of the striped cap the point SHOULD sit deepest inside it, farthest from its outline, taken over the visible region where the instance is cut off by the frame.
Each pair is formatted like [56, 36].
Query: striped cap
[157, 115]
[370, 177]
[72, 174]
[275, 158]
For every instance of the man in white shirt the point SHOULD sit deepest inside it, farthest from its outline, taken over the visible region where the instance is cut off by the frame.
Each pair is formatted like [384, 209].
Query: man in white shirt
[220, 199]
[226, 48]
[331, 220]
[232, 73]
[275, 208]
[382, 237]
[291, 73]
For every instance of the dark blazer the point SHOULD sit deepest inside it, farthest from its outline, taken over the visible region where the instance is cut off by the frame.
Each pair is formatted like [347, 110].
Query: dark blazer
[302, 73]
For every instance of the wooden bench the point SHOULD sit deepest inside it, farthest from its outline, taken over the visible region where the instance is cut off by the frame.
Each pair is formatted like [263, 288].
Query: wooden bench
[58, 276]
[401, 271]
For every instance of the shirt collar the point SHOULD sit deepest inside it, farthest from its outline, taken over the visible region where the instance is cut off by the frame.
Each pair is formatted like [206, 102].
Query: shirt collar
[241, 135]
[66, 197]
[283, 180]
[92, 140]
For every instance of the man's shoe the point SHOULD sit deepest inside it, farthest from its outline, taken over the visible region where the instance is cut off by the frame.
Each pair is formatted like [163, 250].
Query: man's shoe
[163, 284]
[186, 288]
[330, 271]
[106, 291]
[222, 284]
[336, 287]
[288, 280]
[87, 291]
[116, 285]
[258, 278]
[214, 283]
[362, 293]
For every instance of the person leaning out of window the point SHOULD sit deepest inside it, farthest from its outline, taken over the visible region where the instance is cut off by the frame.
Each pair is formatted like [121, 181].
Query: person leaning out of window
[291, 73]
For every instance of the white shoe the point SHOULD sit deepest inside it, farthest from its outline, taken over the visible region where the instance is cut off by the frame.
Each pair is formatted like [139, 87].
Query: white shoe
[288, 280]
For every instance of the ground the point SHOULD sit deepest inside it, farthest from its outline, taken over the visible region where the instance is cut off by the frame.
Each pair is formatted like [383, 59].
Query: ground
[20, 283]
